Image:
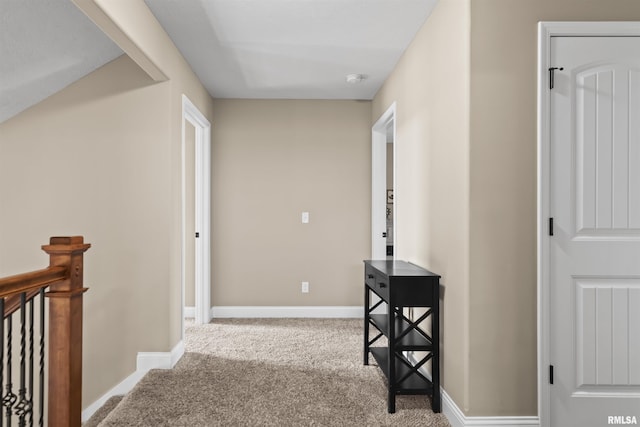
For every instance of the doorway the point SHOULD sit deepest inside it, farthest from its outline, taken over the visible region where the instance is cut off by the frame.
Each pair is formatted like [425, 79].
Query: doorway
[589, 223]
[390, 188]
[196, 214]
[383, 194]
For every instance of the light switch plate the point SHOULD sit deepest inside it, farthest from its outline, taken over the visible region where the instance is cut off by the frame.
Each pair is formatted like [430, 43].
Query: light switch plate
[305, 217]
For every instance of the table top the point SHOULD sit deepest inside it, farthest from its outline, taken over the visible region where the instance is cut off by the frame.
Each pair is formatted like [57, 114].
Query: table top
[397, 268]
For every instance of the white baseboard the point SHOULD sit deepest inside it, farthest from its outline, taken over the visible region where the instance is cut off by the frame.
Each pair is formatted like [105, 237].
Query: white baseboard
[159, 360]
[145, 361]
[189, 312]
[457, 418]
[287, 311]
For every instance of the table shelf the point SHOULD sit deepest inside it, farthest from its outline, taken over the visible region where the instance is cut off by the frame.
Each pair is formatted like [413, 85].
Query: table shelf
[413, 384]
[413, 340]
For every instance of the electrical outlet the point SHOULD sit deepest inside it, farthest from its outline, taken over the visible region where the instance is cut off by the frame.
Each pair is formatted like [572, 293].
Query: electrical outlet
[305, 287]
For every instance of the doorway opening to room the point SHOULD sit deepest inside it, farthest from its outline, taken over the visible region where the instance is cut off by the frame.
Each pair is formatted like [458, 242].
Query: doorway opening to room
[383, 195]
[196, 214]
[390, 189]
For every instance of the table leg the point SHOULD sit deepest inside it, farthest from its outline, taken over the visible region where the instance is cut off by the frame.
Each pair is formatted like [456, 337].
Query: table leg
[366, 325]
[391, 402]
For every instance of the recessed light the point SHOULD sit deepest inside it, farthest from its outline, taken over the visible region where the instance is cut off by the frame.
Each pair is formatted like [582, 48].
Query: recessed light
[355, 78]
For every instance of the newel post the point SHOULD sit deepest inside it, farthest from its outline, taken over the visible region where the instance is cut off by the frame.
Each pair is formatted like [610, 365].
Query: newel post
[65, 332]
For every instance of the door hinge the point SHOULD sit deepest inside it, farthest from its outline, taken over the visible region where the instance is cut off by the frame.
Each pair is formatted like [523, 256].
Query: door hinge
[552, 75]
[197, 234]
[550, 226]
[550, 374]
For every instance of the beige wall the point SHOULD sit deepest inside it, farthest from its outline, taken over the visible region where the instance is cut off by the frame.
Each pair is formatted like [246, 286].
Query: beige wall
[93, 160]
[133, 20]
[272, 160]
[503, 194]
[430, 87]
[466, 185]
[124, 133]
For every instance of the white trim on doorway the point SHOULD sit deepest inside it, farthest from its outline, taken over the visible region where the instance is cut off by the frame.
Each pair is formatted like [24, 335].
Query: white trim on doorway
[191, 114]
[379, 182]
[547, 30]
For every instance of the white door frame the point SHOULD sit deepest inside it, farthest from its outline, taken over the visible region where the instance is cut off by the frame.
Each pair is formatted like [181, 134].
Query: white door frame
[547, 30]
[379, 183]
[191, 114]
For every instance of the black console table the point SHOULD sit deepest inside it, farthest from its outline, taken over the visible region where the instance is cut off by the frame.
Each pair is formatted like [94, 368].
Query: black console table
[401, 285]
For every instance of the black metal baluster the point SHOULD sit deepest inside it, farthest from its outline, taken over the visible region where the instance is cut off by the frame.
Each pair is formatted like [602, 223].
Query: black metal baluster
[41, 383]
[9, 398]
[30, 389]
[22, 406]
[1, 351]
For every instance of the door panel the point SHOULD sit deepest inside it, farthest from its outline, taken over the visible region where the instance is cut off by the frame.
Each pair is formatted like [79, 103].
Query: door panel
[605, 350]
[607, 151]
[595, 250]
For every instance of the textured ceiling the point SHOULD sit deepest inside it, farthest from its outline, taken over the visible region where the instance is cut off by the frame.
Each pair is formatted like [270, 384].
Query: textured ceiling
[45, 45]
[291, 48]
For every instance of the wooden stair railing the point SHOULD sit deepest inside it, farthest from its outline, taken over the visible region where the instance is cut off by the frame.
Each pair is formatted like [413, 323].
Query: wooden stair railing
[64, 278]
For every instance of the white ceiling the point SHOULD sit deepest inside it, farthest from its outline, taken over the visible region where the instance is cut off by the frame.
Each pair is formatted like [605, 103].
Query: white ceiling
[298, 49]
[286, 49]
[45, 45]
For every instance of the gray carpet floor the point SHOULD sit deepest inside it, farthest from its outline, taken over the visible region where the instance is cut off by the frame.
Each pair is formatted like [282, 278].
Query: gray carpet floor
[102, 413]
[270, 372]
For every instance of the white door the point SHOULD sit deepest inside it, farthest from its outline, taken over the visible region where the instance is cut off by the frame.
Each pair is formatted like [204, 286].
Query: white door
[594, 269]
